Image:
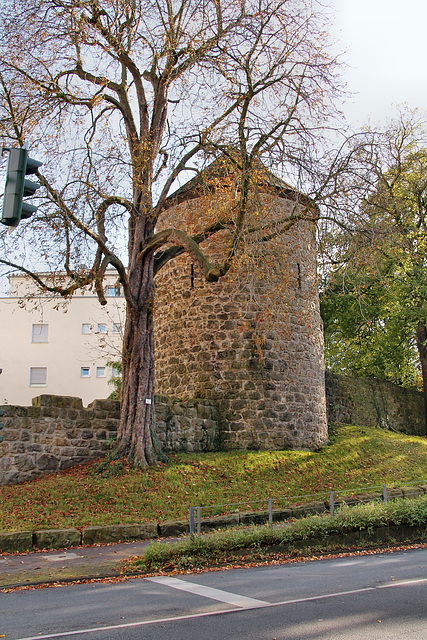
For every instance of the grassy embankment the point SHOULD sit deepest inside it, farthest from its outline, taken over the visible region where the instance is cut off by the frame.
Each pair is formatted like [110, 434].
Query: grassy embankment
[356, 457]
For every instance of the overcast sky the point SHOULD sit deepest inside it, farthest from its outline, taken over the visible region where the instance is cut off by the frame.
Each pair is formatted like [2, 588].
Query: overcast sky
[386, 49]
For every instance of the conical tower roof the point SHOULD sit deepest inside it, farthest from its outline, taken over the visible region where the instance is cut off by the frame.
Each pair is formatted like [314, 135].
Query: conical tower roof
[223, 168]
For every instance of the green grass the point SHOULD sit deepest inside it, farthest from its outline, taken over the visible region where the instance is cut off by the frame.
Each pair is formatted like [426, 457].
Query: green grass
[254, 544]
[79, 497]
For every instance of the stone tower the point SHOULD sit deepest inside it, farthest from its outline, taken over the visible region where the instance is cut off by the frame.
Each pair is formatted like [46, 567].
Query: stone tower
[252, 342]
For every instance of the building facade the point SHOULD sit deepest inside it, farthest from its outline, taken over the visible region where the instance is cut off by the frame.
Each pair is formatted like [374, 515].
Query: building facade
[49, 346]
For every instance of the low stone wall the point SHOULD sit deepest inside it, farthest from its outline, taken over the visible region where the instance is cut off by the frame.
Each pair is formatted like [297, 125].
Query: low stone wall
[372, 402]
[57, 432]
[192, 426]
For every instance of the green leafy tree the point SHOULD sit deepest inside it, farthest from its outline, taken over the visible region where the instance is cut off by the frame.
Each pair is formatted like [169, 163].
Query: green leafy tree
[368, 331]
[374, 303]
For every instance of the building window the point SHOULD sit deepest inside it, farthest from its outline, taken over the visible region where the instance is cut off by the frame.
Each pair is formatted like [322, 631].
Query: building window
[100, 372]
[112, 292]
[40, 333]
[115, 373]
[38, 376]
[102, 328]
[85, 372]
[117, 327]
[86, 327]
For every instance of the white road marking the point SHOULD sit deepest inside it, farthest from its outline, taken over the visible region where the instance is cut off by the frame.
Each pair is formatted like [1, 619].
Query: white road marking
[208, 592]
[207, 614]
[127, 625]
[404, 583]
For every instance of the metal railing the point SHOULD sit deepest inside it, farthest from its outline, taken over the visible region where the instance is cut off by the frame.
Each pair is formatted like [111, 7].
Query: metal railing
[330, 499]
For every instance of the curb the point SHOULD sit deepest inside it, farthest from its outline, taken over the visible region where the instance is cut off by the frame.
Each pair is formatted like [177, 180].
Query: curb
[21, 541]
[84, 578]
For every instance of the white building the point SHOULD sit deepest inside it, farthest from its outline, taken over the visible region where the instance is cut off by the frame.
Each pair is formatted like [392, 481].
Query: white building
[58, 347]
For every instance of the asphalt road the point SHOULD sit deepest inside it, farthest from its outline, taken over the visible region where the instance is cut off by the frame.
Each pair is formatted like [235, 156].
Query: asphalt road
[378, 597]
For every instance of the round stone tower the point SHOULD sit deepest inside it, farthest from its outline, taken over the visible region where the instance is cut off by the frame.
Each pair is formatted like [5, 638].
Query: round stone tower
[252, 342]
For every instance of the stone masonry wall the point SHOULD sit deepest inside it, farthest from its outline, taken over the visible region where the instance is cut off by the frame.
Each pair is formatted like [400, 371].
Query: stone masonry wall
[372, 402]
[192, 426]
[58, 432]
[55, 433]
[270, 394]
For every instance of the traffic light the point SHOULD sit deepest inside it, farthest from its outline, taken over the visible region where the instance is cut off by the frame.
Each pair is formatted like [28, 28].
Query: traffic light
[17, 187]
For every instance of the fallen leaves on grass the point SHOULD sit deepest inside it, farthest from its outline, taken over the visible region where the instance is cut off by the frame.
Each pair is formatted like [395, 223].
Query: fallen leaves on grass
[80, 497]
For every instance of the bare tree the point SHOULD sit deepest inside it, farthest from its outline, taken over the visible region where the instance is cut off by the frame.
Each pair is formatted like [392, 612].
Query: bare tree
[122, 97]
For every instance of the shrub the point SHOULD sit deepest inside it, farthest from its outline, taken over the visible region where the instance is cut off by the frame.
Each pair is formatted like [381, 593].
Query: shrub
[222, 545]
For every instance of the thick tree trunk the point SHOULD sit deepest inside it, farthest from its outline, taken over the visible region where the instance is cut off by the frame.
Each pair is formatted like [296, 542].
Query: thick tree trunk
[422, 350]
[137, 414]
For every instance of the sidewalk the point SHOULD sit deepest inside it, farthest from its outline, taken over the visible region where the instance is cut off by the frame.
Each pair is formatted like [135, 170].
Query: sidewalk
[106, 560]
[69, 564]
